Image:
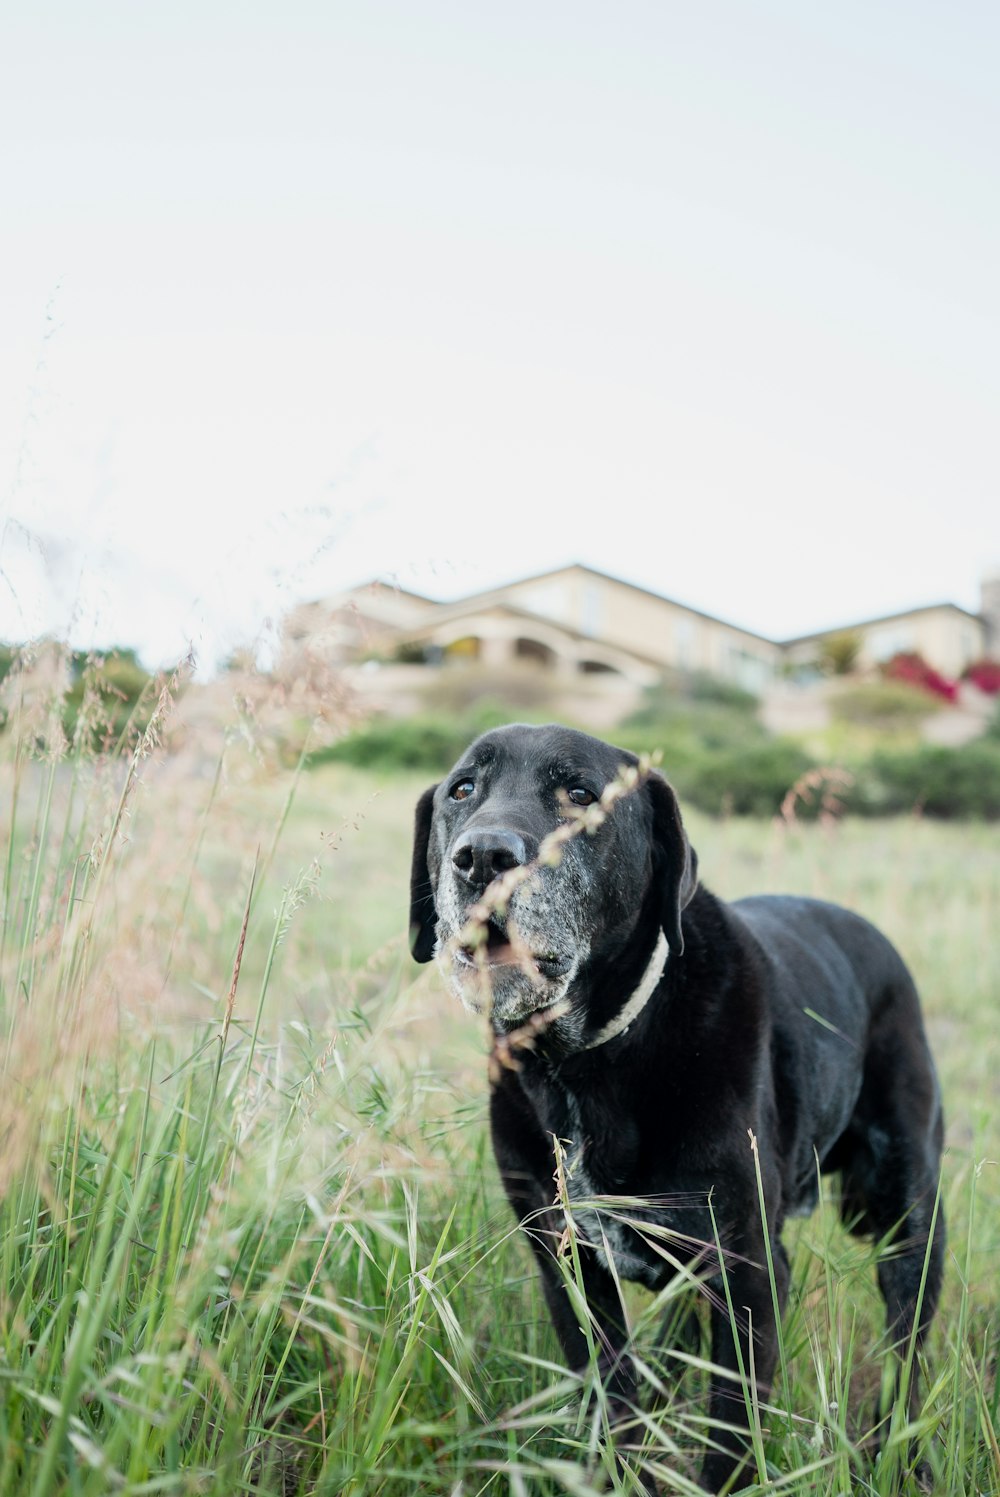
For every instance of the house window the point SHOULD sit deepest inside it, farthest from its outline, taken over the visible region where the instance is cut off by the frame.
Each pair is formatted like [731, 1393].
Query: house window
[684, 634]
[890, 642]
[590, 612]
[747, 669]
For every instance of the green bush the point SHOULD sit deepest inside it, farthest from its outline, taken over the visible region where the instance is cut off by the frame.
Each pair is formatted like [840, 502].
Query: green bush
[749, 781]
[408, 652]
[887, 705]
[939, 782]
[111, 692]
[700, 687]
[678, 694]
[838, 653]
[104, 698]
[721, 762]
[992, 734]
[421, 742]
[687, 716]
[8, 655]
[717, 754]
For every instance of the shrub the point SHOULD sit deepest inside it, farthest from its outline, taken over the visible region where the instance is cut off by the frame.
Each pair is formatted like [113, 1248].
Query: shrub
[911, 667]
[940, 782]
[838, 653]
[98, 699]
[749, 781]
[420, 742]
[704, 688]
[676, 692]
[985, 674]
[109, 695]
[992, 734]
[885, 705]
[409, 652]
[687, 716]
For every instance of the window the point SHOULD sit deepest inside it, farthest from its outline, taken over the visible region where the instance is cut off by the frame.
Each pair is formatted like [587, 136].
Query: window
[590, 612]
[684, 640]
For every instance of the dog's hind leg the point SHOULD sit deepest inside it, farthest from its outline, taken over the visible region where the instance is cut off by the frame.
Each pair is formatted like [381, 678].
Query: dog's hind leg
[891, 1156]
[910, 1226]
[890, 1181]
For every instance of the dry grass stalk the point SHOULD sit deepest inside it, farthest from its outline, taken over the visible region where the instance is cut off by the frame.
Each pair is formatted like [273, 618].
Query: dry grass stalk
[828, 783]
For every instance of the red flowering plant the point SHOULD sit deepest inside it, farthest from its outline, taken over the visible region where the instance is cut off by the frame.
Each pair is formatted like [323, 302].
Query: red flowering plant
[911, 667]
[985, 674]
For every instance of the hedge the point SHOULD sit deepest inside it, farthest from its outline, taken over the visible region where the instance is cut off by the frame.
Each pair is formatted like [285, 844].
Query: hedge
[748, 778]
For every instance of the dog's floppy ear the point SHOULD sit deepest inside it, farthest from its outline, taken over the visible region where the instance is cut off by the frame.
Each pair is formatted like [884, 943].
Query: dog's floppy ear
[423, 912]
[678, 860]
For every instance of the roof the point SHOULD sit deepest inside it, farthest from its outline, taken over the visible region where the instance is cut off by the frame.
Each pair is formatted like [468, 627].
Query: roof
[487, 595]
[579, 566]
[883, 618]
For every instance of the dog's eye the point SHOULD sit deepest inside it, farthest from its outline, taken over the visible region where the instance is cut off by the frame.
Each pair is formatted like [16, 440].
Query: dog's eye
[463, 789]
[581, 797]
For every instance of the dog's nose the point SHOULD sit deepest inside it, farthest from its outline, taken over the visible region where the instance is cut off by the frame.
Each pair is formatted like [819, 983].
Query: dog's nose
[481, 855]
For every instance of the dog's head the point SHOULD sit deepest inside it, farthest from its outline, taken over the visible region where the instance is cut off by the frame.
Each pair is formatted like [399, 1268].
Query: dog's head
[514, 935]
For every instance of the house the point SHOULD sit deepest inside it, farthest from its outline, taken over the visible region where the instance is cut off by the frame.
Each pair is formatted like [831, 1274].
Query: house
[577, 621]
[948, 637]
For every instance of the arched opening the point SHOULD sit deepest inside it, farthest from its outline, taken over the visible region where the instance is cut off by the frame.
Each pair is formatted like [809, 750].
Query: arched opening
[469, 647]
[533, 651]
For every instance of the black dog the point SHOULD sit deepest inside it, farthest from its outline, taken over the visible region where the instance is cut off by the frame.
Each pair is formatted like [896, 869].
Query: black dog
[665, 1027]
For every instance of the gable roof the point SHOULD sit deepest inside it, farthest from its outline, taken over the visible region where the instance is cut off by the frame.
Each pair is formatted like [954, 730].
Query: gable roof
[579, 566]
[497, 593]
[884, 618]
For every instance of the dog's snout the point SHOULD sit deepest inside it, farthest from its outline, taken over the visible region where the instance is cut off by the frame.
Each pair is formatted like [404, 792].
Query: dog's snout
[483, 854]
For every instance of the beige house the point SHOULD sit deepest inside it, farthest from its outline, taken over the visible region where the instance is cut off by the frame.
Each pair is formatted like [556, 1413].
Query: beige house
[948, 637]
[603, 608]
[573, 619]
[577, 621]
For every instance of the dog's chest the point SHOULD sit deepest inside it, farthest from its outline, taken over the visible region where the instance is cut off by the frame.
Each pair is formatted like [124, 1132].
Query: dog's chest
[600, 1219]
[600, 1222]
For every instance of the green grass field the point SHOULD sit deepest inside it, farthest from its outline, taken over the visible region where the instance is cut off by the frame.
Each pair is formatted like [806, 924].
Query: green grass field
[251, 1233]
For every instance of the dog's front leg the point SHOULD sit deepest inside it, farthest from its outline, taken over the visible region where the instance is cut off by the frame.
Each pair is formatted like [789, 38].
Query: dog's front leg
[608, 1334]
[525, 1159]
[751, 1367]
[605, 1317]
[604, 1327]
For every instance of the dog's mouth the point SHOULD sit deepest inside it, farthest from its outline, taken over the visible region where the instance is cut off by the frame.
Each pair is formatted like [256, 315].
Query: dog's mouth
[503, 947]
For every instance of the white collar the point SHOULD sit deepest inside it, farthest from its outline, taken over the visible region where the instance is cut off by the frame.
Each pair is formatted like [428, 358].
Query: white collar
[639, 998]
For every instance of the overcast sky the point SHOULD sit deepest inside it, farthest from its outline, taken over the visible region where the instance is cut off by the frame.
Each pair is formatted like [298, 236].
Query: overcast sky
[293, 296]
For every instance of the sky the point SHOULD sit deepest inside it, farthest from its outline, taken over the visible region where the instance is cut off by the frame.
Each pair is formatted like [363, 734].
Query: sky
[705, 296]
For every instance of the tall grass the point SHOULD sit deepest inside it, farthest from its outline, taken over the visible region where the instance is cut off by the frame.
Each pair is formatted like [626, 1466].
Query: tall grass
[250, 1232]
